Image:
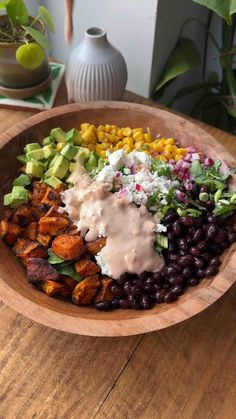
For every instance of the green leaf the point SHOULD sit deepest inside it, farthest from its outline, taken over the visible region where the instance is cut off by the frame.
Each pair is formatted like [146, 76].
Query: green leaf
[2, 4]
[54, 259]
[47, 18]
[68, 269]
[224, 8]
[196, 168]
[30, 56]
[17, 12]
[47, 94]
[183, 58]
[38, 37]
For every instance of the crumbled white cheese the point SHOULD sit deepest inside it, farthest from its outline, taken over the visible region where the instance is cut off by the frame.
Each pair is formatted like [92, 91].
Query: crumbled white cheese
[107, 174]
[117, 159]
[159, 228]
[102, 263]
[138, 157]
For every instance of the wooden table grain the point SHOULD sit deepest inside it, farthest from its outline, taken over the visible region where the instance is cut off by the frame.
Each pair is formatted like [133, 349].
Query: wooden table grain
[183, 372]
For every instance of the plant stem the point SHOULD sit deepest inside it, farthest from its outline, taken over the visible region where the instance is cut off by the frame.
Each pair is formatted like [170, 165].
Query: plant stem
[194, 19]
[6, 35]
[209, 19]
[34, 21]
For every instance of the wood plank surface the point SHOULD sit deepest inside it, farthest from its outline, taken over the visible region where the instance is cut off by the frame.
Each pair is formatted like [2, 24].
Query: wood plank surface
[186, 371]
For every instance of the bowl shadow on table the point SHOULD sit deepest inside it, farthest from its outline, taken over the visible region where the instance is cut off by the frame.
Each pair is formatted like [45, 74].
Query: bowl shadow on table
[63, 315]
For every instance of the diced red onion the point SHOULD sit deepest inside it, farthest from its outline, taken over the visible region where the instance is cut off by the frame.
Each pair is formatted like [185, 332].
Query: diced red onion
[180, 196]
[208, 161]
[138, 187]
[122, 193]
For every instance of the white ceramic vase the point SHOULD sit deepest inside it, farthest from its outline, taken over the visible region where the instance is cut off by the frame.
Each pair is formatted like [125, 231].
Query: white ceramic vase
[95, 70]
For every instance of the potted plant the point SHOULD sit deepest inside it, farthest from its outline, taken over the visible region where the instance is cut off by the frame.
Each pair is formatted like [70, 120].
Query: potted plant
[23, 46]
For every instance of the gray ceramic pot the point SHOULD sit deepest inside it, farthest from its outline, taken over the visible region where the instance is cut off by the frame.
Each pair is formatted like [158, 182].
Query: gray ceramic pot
[12, 75]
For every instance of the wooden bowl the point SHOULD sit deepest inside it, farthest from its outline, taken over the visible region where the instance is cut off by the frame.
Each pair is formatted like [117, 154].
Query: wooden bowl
[23, 297]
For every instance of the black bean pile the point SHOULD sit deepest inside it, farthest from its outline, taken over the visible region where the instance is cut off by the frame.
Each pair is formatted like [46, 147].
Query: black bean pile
[195, 245]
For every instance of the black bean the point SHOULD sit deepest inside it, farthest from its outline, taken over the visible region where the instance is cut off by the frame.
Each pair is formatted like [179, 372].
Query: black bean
[193, 281]
[198, 263]
[116, 290]
[192, 231]
[210, 205]
[200, 273]
[124, 303]
[172, 269]
[211, 231]
[146, 302]
[137, 290]
[144, 275]
[156, 287]
[170, 297]
[135, 303]
[171, 246]
[170, 217]
[148, 288]
[159, 296]
[202, 246]
[176, 280]
[198, 235]
[170, 235]
[122, 278]
[195, 190]
[215, 261]
[189, 239]
[116, 302]
[176, 228]
[127, 287]
[194, 251]
[231, 237]
[104, 305]
[186, 260]
[223, 246]
[187, 272]
[206, 256]
[215, 249]
[187, 221]
[182, 243]
[157, 276]
[221, 236]
[211, 270]
[173, 256]
[212, 219]
[177, 289]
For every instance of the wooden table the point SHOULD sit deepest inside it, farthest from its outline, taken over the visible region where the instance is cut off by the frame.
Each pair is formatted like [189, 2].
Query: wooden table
[186, 371]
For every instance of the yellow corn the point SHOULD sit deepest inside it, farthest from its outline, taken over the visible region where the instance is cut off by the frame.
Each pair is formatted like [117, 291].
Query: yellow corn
[161, 157]
[169, 141]
[127, 148]
[138, 136]
[138, 145]
[178, 157]
[119, 145]
[60, 146]
[147, 138]
[128, 141]
[127, 132]
[168, 148]
[92, 147]
[101, 128]
[103, 154]
[84, 126]
[181, 151]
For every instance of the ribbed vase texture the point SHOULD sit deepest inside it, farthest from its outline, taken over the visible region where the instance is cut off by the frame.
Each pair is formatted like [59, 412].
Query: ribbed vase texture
[95, 70]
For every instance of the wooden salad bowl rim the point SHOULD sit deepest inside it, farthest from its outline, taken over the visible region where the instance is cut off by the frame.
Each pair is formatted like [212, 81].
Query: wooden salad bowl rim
[62, 315]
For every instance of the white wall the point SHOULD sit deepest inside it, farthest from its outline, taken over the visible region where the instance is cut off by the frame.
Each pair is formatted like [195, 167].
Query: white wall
[130, 26]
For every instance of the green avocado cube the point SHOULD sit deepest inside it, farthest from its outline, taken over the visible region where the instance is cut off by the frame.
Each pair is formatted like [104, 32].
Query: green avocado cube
[101, 164]
[22, 158]
[60, 167]
[69, 151]
[32, 147]
[91, 163]
[22, 180]
[73, 137]
[48, 173]
[72, 167]
[53, 181]
[19, 195]
[7, 200]
[83, 154]
[51, 163]
[35, 154]
[48, 141]
[34, 169]
[48, 151]
[58, 135]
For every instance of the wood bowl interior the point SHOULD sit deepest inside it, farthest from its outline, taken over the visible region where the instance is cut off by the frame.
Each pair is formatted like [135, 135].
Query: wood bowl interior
[23, 297]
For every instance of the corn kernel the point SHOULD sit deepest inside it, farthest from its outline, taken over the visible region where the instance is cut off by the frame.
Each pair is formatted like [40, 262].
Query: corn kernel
[137, 130]
[158, 147]
[182, 151]
[112, 138]
[88, 136]
[101, 128]
[119, 145]
[162, 158]
[149, 131]
[127, 132]
[92, 147]
[103, 154]
[84, 126]
[99, 148]
[107, 128]
[120, 134]
[169, 141]
[128, 141]
[127, 148]
[60, 146]
[138, 136]
[101, 136]
[106, 146]
[168, 148]
[147, 138]
[178, 157]
[167, 154]
[138, 145]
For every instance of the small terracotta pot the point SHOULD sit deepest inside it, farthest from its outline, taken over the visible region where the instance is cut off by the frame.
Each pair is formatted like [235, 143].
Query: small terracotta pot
[12, 75]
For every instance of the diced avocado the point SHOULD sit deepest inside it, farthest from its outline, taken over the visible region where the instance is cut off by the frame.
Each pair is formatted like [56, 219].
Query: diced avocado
[58, 135]
[48, 151]
[22, 180]
[35, 154]
[101, 164]
[72, 167]
[48, 141]
[19, 195]
[48, 173]
[7, 200]
[73, 137]
[51, 163]
[69, 151]
[60, 167]
[31, 147]
[22, 158]
[53, 181]
[34, 169]
[83, 153]
[92, 162]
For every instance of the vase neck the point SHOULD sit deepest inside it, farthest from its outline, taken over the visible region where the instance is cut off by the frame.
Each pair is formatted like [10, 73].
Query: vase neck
[96, 36]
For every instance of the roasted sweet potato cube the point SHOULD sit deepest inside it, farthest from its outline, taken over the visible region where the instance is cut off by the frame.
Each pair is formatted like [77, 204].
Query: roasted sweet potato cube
[94, 247]
[68, 247]
[39, 190]
[10, 239]
[44, 239]
[104, 293]
[54, 289]
[32, 249]
[53, 212]
[85, 291]
[86, 267]
[39, 270]
[9, 212]
[52, 197]
[6, 227]
[53, 225]
[31, 231]
[20, 244]
[68, 282]
[23, 216]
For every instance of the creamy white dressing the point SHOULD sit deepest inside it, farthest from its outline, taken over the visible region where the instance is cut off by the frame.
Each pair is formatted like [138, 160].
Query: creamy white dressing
[129, 230]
